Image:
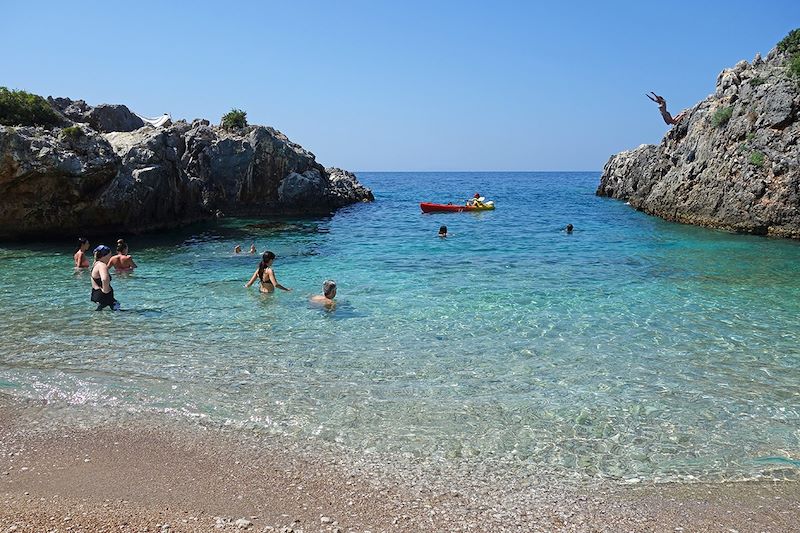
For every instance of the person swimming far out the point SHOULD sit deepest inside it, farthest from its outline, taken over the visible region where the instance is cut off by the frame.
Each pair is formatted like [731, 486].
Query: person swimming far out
[662, 107]
[81, 261]
[443, 231]
[102, 293]
[265, 275]
[122, 262]
[237, 249]
[328, 294]
[253, 248]
[569, 228]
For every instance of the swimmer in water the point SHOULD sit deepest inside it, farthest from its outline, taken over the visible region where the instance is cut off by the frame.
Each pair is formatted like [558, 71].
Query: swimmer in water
[253, 248]
[122, 262]
[569, 228]
[102, 293]
[81, 261]
[237, 249]
[327, 296]
[443, 231]
[265, 275]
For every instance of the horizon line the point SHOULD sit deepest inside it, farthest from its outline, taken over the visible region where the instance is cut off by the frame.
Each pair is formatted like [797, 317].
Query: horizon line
[481, 171]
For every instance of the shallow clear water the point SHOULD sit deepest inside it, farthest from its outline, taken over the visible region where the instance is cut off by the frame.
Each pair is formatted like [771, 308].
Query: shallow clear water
[633, 348]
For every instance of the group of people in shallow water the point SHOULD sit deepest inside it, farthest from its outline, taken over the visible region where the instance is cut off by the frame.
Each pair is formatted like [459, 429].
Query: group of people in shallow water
[267, 282]
[104, 259]
[103, 294]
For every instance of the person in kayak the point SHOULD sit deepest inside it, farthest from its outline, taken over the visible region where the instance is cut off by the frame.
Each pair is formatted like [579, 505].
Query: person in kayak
[443, 231]
[662, 107]
[476, 201]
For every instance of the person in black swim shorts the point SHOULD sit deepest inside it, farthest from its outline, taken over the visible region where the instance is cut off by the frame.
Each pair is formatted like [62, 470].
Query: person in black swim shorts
[102, 293]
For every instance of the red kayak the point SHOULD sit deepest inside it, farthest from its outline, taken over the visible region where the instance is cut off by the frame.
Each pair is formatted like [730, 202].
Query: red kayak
[428, 207]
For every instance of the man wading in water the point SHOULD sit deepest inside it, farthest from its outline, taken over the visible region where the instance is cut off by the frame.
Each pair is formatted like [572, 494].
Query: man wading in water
[662, 107]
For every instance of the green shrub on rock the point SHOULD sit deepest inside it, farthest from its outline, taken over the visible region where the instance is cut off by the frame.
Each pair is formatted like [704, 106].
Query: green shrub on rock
[794, 66]
[755, 82]
[20, 108]
[721, 116]
[791, 43]
[757, 159]
[235, 118]
[73, 132]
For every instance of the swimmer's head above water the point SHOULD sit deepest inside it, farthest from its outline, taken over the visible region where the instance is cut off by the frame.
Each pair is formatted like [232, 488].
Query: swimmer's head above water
[267, 258]
[102, 253]
[83, 244]
[329, 289]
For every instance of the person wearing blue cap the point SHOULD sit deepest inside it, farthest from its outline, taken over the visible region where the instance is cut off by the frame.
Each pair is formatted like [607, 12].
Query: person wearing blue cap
[102, 293]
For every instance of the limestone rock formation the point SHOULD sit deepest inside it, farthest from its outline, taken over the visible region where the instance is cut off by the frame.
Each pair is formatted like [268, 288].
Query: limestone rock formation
[112, 117]
[733, 162]
[87, 180]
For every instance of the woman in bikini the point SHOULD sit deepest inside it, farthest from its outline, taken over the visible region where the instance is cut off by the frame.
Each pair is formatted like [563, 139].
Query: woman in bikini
[265, 275]
[122, 262]
[81, 261]
[102, 293]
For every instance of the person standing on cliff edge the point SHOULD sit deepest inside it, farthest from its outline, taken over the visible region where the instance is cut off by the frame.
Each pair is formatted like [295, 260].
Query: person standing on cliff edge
[662, 107]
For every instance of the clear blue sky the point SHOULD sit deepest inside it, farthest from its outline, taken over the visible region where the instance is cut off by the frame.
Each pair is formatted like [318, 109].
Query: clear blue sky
[379, 85]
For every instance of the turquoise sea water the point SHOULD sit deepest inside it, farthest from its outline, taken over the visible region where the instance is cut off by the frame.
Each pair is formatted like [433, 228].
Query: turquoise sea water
[633, 348]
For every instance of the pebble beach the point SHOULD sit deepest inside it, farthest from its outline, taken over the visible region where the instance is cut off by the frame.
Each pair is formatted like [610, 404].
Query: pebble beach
[139, 478]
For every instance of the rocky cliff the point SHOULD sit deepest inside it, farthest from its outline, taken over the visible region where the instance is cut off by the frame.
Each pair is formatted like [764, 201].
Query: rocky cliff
[732, 162]
[106, 171]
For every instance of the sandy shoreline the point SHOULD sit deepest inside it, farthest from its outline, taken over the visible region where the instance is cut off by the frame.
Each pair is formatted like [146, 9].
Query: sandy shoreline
[138, 478]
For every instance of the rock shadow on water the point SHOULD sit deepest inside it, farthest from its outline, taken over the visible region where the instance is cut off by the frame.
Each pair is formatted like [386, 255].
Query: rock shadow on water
[282, 226]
